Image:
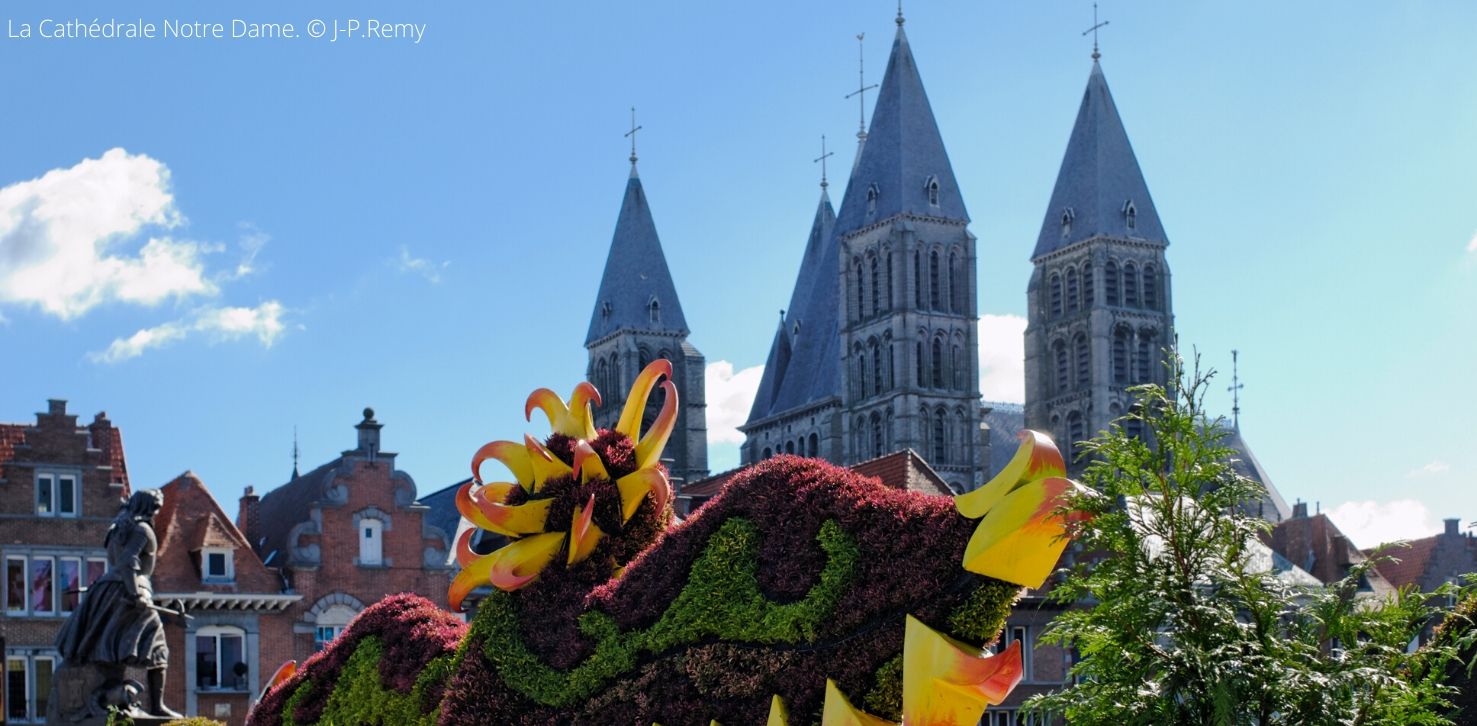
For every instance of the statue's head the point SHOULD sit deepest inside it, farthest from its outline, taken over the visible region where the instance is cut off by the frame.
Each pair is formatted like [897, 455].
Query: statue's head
[144, 504]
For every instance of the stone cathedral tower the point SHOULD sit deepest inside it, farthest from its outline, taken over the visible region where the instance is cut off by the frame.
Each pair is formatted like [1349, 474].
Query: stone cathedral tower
[638, 319]
[879, 350]
[1098, 310]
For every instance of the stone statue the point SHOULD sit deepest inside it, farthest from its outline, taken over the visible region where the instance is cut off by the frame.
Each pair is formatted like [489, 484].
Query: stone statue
[117, 625]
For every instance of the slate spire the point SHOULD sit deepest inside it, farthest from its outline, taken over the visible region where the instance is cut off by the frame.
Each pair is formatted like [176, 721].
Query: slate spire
[636, 290]
[902, 167]
[1100, 190]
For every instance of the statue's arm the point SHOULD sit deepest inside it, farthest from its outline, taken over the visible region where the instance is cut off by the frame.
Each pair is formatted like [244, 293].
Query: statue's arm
[140, 541]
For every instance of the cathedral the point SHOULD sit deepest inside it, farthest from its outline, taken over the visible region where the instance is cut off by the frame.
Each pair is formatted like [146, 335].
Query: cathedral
[878, 348]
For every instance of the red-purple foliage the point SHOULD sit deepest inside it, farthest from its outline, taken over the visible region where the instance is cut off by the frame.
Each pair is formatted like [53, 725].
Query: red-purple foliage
[413, 632]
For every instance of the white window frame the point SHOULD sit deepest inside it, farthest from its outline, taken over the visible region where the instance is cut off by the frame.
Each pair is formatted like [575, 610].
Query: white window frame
[1022, 634]
[228, 554]
[53, 483]
[25, 594]
[215, 633]
[371, 542]
[28, 667]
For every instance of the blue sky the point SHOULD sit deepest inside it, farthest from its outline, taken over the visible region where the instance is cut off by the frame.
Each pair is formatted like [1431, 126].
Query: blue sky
[290, 230]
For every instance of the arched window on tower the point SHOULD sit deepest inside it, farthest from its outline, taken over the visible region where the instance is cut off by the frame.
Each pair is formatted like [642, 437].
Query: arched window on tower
[933, 280]
[938, 363]
[860, 294]
[918, 366]
[1130, 285]
[615, 375]
[932, 186]
[768, 453]
[1084, 360]
[876, 285]
[813, 444]
[957, 289]
[1067, 215]
[602, 383]
[1059, 351]
[876, 356]
[1130, 215]
[1075, 434]
[958, 367]
[1151, 287]
[1056, 295]
[1120, 354]
[859, 438]
[888, 264]
[1087, 299]
[654, 309]
[1110, 282]
[891, 363]
[1143, 360]
[918, 279]
[940, 440]
[861, 366]
[872, 194]
[789, 447]
[1074, 303]
[876, 434]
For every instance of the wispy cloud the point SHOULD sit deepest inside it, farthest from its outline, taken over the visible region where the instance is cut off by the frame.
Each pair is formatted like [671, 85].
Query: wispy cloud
[1369, 523]
[1472, 243]
[65, 238]
[421, 266]
[729, 396]
[1003, 358]
[1431, 469]
[217, 324]
[251, 243]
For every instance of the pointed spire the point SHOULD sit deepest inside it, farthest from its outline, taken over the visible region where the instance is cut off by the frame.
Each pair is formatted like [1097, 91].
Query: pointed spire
[636, 289]
[1100, 190]
[903, 167]
[294, 453]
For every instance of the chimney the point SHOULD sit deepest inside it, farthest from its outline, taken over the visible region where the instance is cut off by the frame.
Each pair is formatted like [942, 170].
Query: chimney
[56, 406]
[1453, 526]
[247, 517]
[369, 434]
[1300, 510]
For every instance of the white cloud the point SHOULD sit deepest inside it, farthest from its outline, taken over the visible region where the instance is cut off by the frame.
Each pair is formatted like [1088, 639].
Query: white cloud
[64, 238]
[1431, 469]
[1472, 244]
[218, 324]
[1003, 358]
[1369, 523]
[729, 396]
[251, 243]
[421, 266]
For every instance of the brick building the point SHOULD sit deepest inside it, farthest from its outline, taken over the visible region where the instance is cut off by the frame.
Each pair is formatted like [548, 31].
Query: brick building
[60, 486]
[240, 629]
[1430, 562]
[1316, 545]
[344, 535]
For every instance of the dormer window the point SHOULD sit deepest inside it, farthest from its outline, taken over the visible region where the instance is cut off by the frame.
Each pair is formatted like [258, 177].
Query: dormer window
[872, 194]
[1067, 216]
[218, 564]
[932, 187]
[1131, 214]
[654, 309]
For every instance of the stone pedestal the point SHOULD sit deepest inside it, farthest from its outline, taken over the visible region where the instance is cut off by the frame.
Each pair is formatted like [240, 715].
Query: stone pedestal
[83, 694]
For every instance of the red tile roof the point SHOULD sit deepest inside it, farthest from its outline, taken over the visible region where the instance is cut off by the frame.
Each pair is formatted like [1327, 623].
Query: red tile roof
[711, 486]
[1316, 545]
[190, 519]
[904, 470]
[1412, 563]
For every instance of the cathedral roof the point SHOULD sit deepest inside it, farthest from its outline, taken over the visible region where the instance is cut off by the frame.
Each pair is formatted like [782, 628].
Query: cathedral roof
[903, 154]
[1099, 177]
[635, 274]
[801, 366]
[1271, 507]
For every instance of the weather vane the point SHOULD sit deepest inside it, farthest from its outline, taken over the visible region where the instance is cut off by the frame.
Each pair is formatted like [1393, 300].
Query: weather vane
[1095, 25]
[632, 135]
[822, 160]
[1235, 390]
[861, 91]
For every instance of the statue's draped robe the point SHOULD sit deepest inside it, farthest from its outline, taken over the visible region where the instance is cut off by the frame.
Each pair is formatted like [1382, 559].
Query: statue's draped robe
[111, 625]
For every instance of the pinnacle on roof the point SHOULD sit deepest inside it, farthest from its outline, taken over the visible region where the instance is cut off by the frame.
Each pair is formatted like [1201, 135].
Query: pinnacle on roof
[1100, 190]
[902, 167]
[636, 290]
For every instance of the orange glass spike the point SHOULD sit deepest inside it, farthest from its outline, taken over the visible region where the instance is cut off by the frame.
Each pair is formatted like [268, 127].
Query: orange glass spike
[544, 464]
[583, 534]
[1021, 538]
[839, 712]
[513, 455]
[779, 714]
[514, 520]
[649, 448]
[1037, 457]
[587, 463]
[947, 682]
[636, 486]
[521, 562]
[630, 420]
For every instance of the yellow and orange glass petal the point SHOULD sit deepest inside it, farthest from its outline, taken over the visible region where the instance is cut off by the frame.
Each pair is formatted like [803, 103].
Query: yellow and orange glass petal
[283, 672]
[635, 487]
[587, 463]
[1037, 457]
[630, 420]
[464, 553]
[514, 520]
[472, 575]
[649, 448]
[513, 455]
[521, 562]
[839, 712]
[1021, 538]
[949, 683]
[544, 464]
[571, 419]
[583, 534]
[779, 714]
[468, 509]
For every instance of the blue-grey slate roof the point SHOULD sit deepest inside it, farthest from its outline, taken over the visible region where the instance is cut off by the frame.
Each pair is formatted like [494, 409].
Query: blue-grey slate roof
[903, 151]
[1099, 176]
[635, 273]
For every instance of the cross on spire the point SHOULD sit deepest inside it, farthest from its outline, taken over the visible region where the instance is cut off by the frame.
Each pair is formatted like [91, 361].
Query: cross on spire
[822, 159]
[900, 20]
[862, 88]
[1095, 25]
[1235, 390]
[632, 135]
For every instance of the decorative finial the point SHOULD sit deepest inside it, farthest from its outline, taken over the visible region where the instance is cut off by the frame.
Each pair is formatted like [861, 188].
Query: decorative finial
[862, 88]
[1095, 25]
[900, 20]
[1235, 389]
[822, 160]
[294, 452]
[632, 136]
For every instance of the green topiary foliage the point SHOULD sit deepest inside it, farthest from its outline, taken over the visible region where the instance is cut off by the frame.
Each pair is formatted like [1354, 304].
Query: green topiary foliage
[981, 616]
[886, 697]
[722, 599]
[359, 698]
